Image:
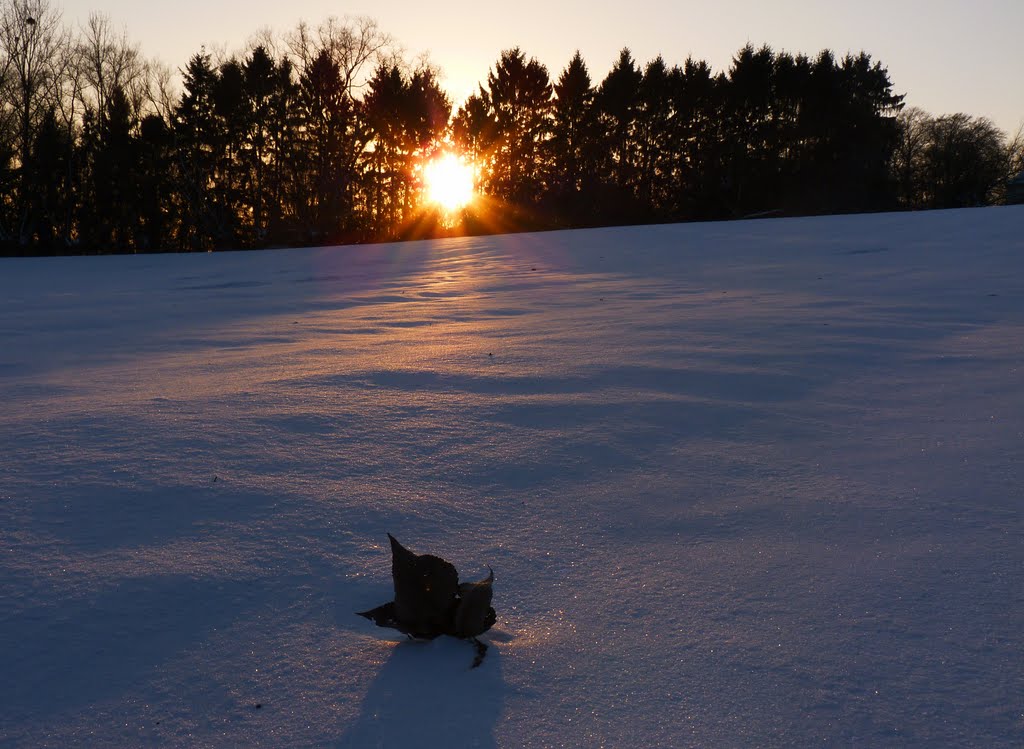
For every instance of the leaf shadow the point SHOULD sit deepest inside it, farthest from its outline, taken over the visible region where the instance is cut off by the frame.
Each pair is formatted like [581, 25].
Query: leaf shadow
[427, 695]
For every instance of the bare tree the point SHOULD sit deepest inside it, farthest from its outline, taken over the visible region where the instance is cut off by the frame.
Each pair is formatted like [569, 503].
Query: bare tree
[70, 84]
[1015, 153]
[357, 45]
[299, 42]
[965, 161]
[161, 90]
[267, 38]
[109, 61]
[908, 163]
[32, 38]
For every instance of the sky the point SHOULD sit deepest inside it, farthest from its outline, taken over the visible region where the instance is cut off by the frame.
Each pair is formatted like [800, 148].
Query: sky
[945, 55]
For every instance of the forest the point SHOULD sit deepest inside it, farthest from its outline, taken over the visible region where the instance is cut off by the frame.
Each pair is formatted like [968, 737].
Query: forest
[320, 135]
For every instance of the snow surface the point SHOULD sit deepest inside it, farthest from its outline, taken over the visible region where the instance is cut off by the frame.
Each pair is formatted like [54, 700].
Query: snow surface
[741, 484]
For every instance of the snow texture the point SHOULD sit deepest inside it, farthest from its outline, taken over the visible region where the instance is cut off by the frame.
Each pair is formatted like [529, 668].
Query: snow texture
[741, 484]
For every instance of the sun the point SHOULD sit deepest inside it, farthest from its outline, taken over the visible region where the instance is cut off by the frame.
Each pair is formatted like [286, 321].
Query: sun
[449, 182]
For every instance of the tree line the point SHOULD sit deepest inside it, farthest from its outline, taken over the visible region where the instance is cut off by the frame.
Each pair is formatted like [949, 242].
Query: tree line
[318, 136]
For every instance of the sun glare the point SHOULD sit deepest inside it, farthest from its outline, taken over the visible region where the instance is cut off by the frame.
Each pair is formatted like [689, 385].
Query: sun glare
[449, 182]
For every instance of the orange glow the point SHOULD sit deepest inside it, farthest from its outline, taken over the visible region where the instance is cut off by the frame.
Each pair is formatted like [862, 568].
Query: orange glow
[450, 182]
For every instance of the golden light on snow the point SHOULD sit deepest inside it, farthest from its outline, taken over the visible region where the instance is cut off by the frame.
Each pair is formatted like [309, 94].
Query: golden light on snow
[449, 182]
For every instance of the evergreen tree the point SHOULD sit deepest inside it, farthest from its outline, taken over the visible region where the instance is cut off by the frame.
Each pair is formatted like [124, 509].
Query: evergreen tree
[518, 99]
[405, 118]
[869, 133]
[426, 112]
[155, 185]
[197, 138]
[429, 109]
[232, 123]
[474, 132]
[329, 147]
[386, 163]
[573, 144]
[46, 191]
[285, 189]
[115, 176]
[657, 141]
[260, 81]
[700, 170]
[752, 173]
[618, 101]
[789, 148]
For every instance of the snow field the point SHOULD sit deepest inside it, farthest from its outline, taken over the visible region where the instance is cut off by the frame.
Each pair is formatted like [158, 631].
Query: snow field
[741, 484]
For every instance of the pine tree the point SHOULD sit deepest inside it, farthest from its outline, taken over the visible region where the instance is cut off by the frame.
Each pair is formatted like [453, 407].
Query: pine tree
[474, 132]
[573, 144]
[518, 99]
[115, 175]
[387, 170]
[197, 138]
[45, 184]
[153, 202]
[656, 139]
[618, 101]
[260, 79]
[329, 146]
[233, 116]
[752, 174]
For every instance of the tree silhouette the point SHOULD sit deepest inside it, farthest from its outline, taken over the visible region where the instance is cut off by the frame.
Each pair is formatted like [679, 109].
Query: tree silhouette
[260, 81]
[231, 125]
[388, 168]
[405, 118]
[97, 154]
[327, 152]
[964, 161]
[518, 101]
[285, 155]
[657, 142]
[44, 181]
[699, 167]
[113, 175]
[618, 102]
[574, 145]
[155, 185]
[196, 141]
[475, 133]
[751, 173]
[32, 40]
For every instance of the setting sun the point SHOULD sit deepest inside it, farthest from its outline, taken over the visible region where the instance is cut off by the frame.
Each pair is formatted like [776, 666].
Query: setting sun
[449, 182]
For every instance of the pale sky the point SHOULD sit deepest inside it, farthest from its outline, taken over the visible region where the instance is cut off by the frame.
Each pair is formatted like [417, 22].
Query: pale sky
[946, 55]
